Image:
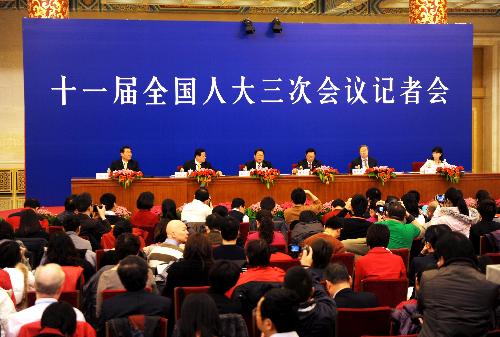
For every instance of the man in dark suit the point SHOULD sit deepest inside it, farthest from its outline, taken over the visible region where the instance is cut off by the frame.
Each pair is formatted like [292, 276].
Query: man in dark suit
[89, 226]
[309, 162]
[363, 161]
[238, 210]
[133, 273]
[258, 161]
[339, 286]
[126, 161]
[199, 162]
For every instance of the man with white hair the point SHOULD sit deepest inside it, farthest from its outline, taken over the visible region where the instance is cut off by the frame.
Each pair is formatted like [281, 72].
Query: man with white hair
[49, 281]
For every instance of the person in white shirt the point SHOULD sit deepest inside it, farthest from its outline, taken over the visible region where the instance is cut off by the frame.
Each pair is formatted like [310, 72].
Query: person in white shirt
[198, 209]
[7, 308]
[437, 160]
[49, 281]
[276, 314]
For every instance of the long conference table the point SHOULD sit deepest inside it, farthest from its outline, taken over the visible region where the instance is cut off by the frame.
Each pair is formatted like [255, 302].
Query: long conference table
[224, 189]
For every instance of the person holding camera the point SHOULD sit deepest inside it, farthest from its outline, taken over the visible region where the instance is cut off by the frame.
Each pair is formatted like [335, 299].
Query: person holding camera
[93, 222]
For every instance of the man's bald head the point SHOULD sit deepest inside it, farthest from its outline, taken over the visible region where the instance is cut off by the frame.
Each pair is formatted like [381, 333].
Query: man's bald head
[49, 280]
[177, 230]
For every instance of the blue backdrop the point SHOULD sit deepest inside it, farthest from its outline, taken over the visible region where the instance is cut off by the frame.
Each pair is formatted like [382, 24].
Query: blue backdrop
[165, 88]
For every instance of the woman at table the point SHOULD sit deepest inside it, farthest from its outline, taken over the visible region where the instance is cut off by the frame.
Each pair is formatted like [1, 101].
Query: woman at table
[436, 161]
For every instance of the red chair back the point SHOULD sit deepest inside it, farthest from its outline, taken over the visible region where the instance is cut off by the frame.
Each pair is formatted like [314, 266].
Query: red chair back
[71, 296]
[83, 329]
[180, 293]
[494, 333]
[495, 257]
[416, 165]
[347, 259]
[53, 229]
[359, 322]
[404, 253]
[138, 321]
[74, 278]
[244, 228]
[389, 292]
[285, 264]
[108, 240]
[241, 167]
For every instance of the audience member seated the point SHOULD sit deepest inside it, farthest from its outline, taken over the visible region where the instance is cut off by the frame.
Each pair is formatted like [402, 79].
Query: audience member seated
[482, 195]
[133, 273]
[143, 218]
[322, 252]
[110, 279]
[373, 194]
[49, 281]
[238, 210]
[337, 206]
[455, 213]
[456, 299]
[29, 204]
[220, 210]
[170, 250]
[93, 228]
[276, 314]
[109, 202]
[487, 209]
[213, 224]
[401, 233]
[7, 308]
[69, 208]
[268, 204]
[192, 269]
[379, 262]
[265, 230]
[229, 250]
[199, 317]
[198, 209]
[331, 233]
[62, 251]
[13, 262]
[72, 228]
[126, 244]
[223, 276]
[307, 226]
[431, 209]
[29, 226]
[339, 286]
[356, 226]
[427, 257]
[299, 197]
[410, 202]
[316, 310]
[6, 230]
[259, 276]
[168, 213]
[58, 319]
[121, 226]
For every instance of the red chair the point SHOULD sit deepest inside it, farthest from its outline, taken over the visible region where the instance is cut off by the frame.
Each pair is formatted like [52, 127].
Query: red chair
[347, 259]
[416, 165]
[71, 296]
[244, 228]
[138, 321]
[494, 333]
[108, 240]
[389, 292]
[53, 229]
[180, 293]
[405, 255]
[241, 167]
[495, 257]
[359, 322]
[74, 278]
[285, 265]
[83, 329]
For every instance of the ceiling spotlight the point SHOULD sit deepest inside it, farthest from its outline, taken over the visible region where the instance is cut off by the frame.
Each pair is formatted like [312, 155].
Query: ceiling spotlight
[249, 28]
[277, 25]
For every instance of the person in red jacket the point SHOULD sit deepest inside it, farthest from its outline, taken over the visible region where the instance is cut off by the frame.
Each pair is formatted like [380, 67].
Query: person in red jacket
[143, 218]
[379, 262]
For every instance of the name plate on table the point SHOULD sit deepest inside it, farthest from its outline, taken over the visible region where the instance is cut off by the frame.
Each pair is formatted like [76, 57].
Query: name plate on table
[244, 173]
[305, 172]
[429, 170]
[358, 172]
[180, 175]
[102, 176]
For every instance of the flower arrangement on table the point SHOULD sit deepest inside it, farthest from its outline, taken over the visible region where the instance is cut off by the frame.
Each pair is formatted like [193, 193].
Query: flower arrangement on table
[266, 175]
[122, 212]
[46, 214]
[451, 173]
[252, 210]
[203, 176]
[326, 174]
[125, 177]
[381, 173]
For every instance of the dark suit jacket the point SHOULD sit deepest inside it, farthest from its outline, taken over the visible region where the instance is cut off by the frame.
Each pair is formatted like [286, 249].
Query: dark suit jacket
[134, 303]
[191, 165]
[303, 163]
[371, 162]
[347, 298]
[252, 164]
[238, 215]
[118, 165]
[93, 228]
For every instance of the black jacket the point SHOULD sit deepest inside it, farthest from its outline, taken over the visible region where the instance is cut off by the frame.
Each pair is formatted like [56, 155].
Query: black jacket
[249, 294]
[372, 162]
[238, 215]
[191, 165]
[118, 165]
[347, 298]
[252, 164]
[303, 163]
[93, 228]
